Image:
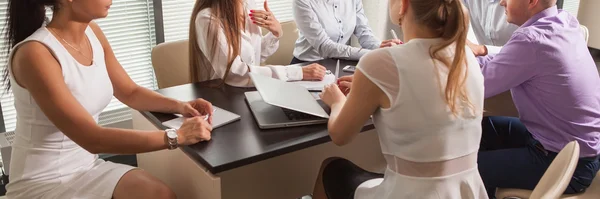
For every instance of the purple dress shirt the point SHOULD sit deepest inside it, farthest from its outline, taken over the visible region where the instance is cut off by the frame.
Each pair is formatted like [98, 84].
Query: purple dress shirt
[553, 80]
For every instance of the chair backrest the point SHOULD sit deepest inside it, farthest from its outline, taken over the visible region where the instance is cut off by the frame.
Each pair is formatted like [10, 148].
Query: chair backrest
[171, 63]
[283, 55]
[559, 174]
[586, 33]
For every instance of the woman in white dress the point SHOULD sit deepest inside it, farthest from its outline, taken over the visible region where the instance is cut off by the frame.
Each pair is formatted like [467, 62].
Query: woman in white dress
[226, 43]
[63, 74]
[426, 98]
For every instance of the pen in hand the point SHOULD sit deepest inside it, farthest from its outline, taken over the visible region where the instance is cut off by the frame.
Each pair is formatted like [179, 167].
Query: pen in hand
[209, 114]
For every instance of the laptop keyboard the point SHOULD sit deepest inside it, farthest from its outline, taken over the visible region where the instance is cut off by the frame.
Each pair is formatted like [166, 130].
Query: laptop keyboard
[295, 115]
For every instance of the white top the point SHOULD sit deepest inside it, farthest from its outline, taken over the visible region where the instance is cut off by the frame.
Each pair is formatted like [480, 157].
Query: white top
[419, 125]
[488, 22]
[42, 154]
[326, 26]
[255, 48]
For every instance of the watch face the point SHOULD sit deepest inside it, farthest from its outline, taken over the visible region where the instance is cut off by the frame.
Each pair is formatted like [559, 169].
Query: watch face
[171, 134]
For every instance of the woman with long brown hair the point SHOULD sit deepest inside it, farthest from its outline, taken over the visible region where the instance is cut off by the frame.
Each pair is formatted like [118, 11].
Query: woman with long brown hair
[226, 42]
[426, 99]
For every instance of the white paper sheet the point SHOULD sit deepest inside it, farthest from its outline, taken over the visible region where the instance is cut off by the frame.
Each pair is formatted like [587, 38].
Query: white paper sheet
[316, 85]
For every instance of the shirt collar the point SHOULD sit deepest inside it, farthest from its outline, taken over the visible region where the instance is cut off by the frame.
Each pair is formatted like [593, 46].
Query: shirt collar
[552, 11]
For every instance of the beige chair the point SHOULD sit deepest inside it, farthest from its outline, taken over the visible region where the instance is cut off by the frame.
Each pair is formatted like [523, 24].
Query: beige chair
[171, 63]
[283, 55]
[586, 33]
[555, 179]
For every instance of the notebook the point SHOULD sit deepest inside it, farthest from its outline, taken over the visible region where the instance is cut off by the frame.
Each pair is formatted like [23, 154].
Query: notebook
[220, 118]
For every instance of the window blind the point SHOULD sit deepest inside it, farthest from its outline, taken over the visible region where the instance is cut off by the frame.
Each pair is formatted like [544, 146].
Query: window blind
[571, 6]
[176, 18]
[177, 15]
[282, 9]
[129, 28]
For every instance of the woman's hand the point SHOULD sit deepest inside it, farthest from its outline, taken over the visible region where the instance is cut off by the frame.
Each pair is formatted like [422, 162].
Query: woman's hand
[266, 19]
[345, 83]
[194, 130]
[196, 108]
[332, 95]
[313, 72]
[390, 43]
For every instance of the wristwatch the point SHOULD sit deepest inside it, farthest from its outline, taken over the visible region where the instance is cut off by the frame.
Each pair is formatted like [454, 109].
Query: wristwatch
[171, 136]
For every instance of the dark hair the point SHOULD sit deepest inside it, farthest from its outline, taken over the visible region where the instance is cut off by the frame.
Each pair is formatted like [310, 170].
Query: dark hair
[24, 17]
[449, 20]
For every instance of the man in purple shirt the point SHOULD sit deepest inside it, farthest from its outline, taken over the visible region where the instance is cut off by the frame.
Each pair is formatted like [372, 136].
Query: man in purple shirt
[556, 88]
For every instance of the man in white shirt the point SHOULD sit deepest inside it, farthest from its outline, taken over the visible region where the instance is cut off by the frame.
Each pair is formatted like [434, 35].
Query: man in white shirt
[488, 23]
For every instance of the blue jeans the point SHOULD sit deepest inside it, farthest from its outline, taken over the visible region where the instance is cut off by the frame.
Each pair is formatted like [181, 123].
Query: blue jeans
[509, 157]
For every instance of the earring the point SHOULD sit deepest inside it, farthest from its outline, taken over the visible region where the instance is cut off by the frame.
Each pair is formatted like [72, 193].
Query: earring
[400, 19]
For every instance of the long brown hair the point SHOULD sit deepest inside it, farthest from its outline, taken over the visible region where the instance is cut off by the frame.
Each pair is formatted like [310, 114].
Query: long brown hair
[227, 14]
[448, 19]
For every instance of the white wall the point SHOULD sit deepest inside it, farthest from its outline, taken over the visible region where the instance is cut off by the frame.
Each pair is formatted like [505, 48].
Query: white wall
[377, 13]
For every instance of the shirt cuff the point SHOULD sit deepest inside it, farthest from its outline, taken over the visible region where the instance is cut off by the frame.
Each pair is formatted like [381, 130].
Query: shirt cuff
[294, 73]
[271, 39]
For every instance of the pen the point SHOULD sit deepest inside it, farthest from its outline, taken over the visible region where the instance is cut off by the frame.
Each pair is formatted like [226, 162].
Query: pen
[208, 115]
[393, 33]
[337, 69]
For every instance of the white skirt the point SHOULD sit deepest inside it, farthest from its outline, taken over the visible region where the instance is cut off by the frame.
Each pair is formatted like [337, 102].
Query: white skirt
[463, 185]
[98, 182]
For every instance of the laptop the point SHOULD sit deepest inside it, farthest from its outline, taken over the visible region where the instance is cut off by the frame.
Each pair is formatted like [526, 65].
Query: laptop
[278, 104]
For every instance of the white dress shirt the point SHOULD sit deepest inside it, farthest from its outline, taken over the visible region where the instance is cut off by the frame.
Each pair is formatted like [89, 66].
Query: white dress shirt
[488, 22]
[325, 27]
[255, 48]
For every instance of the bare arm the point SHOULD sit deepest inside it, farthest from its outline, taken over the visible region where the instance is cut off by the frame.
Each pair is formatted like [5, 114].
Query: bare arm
[348, 116]
[43, 78]
[129, 92]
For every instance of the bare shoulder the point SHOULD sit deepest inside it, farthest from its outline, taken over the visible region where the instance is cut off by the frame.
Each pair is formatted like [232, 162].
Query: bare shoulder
[32, 52]
[33, 59]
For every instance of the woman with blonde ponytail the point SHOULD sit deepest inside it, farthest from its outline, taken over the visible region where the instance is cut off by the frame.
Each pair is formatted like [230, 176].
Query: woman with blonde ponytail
[426, 99]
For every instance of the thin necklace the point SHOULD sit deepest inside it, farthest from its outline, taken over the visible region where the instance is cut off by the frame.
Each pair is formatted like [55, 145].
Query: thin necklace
[73, 47]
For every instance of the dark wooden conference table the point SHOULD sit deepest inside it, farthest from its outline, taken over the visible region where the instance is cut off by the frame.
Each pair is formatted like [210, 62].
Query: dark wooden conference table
[243, 161]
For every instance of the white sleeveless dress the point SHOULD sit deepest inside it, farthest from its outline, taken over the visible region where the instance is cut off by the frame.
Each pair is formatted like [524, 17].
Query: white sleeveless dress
[419, 126]
[47, 164]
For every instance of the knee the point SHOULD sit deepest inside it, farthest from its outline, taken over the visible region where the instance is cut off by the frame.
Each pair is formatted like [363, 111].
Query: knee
[162, 191]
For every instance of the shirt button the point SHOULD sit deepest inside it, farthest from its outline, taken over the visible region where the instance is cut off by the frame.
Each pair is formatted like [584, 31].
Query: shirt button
[342, 36]
[340, 21]
[335, 6]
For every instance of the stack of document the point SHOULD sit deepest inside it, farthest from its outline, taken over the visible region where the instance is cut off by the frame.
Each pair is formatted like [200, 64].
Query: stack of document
[316, 85]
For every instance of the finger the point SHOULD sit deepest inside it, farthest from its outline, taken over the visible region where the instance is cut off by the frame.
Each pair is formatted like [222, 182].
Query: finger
[262, 21]
[345, 84]
[206, 125]
[266, 5]
[204, 106]
[258, 13]
[346, 78]
[193, 111]
[397, 41]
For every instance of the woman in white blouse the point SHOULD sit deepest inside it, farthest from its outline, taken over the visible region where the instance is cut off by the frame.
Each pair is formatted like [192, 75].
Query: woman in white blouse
[325, 28]
[426, 101]
[226, 43]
